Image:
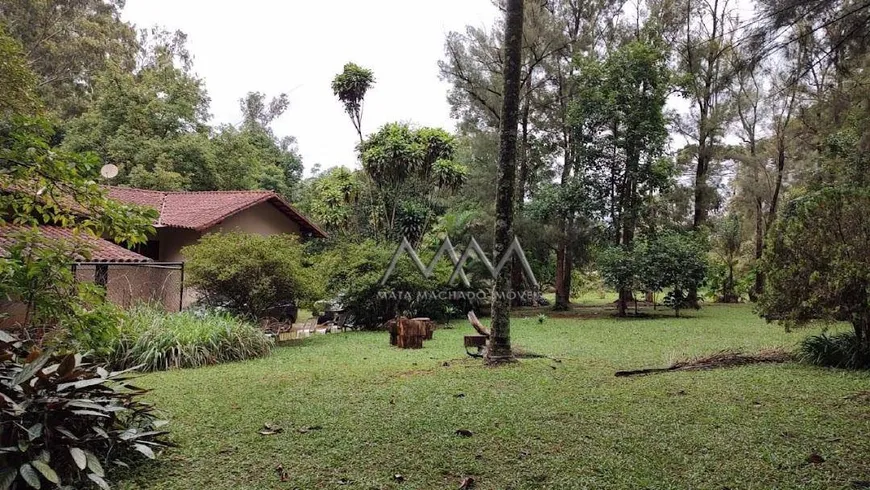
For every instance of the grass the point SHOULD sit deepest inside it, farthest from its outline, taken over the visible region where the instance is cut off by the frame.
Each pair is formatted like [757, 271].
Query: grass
[537, 424]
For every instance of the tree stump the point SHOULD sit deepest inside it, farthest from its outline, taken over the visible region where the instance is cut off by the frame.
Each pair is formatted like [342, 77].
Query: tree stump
[430, 327]
[410, 342]
[392, 326]
[410, 333]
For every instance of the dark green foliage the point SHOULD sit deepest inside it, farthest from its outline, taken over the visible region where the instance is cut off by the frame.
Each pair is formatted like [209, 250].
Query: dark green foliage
[619, 268]
[353, 273]
[727, 241]
[841, 350]
[675, 261]
[68, 43]
[619, 131]
[671, 261]
[50, 186]
[332, 199]
[411, 169]
[53, 186]
[249, 273]
[817, 260]
[153, 124]
[156, 340]
[350, 86]
[18, 82]
[64, 421]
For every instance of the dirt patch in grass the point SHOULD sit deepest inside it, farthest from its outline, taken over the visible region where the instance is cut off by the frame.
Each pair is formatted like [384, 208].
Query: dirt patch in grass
[722, 359]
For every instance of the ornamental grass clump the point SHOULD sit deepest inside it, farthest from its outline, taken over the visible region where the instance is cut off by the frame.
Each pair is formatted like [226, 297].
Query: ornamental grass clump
[158, 340]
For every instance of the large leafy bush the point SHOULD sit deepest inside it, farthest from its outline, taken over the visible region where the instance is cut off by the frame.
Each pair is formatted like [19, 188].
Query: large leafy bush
[353, 273]
[156, 340]
[817, 261]
[65, 421]
[670, 261]
[248, 273]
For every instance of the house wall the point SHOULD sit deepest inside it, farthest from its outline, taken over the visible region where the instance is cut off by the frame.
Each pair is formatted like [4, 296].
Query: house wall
[172, 240]
[262, 219]
[12, 314]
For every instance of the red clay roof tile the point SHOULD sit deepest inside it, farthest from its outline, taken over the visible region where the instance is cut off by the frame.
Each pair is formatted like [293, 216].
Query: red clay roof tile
[204, 209]
[101, 250]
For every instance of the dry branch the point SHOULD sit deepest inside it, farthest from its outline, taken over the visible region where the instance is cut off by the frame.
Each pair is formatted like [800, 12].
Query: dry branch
[721, 359]
[477, 325]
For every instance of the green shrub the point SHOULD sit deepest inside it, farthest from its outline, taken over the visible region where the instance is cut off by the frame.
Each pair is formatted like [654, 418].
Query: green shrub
[841, 350]
[816, 262]
[158, 340]
[248, 273]
[65, 421]
[353, 273]
[95, 331]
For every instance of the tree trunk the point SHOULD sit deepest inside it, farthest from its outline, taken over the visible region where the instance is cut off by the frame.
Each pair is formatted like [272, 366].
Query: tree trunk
[780, 166]
[622, 304]
[758, 288]
[563, 272]
[517, 278]
[701, 201]
[499, 349]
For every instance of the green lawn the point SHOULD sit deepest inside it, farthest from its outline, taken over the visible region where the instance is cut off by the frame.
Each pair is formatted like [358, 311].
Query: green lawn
[538, 424]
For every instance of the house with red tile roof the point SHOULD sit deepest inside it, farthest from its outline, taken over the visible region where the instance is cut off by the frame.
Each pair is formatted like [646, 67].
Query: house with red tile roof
[185, 216]
[153, 270]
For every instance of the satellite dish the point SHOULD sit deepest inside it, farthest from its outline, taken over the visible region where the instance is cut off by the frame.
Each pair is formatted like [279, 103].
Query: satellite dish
[109, 170]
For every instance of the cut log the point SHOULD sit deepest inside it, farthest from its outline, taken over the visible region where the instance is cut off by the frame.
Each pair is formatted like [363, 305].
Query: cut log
[430, 326]
[410, 333]
[392, 326]
[410, 342]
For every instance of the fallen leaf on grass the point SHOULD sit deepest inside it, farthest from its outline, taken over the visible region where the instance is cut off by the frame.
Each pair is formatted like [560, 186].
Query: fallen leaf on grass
[467, 483]
[464, 432]
[283, 475]
[270, 429]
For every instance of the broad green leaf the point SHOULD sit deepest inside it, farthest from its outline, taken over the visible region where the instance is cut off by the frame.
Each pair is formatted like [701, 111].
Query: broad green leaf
[79, 457]
[34, 432]
[89, 412]
[66, 432]
[80, 384]
[7, 477]
[142, 448]
[30, 369]
[30, 476]
[94, 464]
[46, 471]
[99, 481]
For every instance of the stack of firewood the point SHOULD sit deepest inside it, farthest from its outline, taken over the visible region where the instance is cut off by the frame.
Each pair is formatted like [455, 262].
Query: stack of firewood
[409, 333]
